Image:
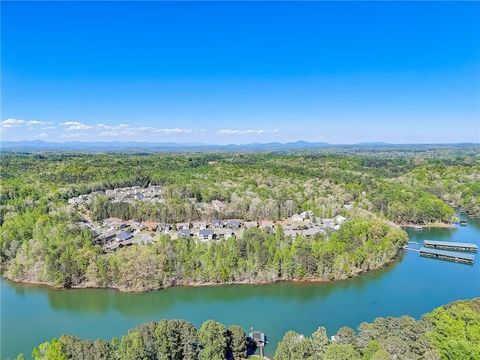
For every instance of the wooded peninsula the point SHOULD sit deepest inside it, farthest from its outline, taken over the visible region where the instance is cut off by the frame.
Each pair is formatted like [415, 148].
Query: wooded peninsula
[224, 217]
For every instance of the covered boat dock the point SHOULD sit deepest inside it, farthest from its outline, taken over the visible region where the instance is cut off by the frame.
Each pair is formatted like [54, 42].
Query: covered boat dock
[453, 246]
[447, 255]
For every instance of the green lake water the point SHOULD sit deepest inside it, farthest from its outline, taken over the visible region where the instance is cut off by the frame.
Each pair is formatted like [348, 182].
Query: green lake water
[411, 286]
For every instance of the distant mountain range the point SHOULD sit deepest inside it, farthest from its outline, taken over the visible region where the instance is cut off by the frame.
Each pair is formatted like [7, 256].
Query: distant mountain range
[39, 145]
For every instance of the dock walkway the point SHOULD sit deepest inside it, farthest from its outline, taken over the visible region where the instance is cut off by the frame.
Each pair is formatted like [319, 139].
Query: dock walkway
[406, 247]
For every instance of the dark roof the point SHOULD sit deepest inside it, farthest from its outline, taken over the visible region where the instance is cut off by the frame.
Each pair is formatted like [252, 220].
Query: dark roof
[453, 254]
[257, 336]
[184, 232]
[206, 232]
[233, 223]
[124, 236]
[450, 244]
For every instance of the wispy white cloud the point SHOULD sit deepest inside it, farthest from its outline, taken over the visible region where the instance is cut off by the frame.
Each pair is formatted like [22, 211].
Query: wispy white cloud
[240, 132]
[35, 129]
[12, 123]
[75, 125]
[127, 129]
[113, 127]
[172, 130]
[16, 123]
[146, 128]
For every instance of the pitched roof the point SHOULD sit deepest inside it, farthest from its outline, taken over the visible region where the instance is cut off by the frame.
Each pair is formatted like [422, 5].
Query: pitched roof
[184, 232]
[450, 244]
[453, 254]
[145, 239]
[124, 236]
[233, 223]
[217, 222]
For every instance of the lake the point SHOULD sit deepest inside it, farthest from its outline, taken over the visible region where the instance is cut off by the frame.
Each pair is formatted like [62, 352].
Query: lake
[411, 286]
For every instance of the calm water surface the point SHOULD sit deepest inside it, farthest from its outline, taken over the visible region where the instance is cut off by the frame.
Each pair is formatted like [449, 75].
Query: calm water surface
[411, 286]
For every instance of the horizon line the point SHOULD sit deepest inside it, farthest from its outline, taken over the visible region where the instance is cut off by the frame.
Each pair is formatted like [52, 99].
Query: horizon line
[233, 144]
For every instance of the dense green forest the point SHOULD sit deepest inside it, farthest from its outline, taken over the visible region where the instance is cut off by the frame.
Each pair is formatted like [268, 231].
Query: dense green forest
[41, 241]
[360, 245]
[448, 332]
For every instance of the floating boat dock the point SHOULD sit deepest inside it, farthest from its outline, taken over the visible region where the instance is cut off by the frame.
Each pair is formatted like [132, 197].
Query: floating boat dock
[447, 255]
[259, 339]
[452, 246]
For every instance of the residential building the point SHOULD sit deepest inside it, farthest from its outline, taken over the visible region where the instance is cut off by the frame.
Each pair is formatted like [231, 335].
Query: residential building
[199, 225]
[123, 236]
[233, 223]
[217, 223]
[223, 233]
[184, 225]
[205, 234]
[339, 219]
[297, 217]
[183, 233]
[250, 224]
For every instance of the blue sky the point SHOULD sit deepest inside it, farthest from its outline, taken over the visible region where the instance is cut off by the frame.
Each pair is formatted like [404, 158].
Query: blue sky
[241, 72]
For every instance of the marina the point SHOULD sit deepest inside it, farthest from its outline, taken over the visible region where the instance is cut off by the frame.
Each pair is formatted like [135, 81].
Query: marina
[444, 250]
[452, 246]
[447, 255]
[103, 313]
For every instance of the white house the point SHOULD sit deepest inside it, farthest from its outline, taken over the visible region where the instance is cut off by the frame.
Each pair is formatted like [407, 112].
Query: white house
[339, 219]
[297, 217]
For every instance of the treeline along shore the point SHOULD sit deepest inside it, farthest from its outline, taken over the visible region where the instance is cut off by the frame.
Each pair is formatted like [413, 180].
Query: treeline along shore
[57, 211]
[448, 332]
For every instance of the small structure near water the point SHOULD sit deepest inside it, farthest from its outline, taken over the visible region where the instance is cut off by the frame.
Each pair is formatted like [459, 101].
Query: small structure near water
[452, 246]
[259, 339]
[447, 255]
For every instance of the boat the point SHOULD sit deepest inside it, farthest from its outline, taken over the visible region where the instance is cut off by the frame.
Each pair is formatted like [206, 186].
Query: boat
[463, 222]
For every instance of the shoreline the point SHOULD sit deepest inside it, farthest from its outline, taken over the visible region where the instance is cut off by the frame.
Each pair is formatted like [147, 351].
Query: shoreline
[85, 286]
[429, 225]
